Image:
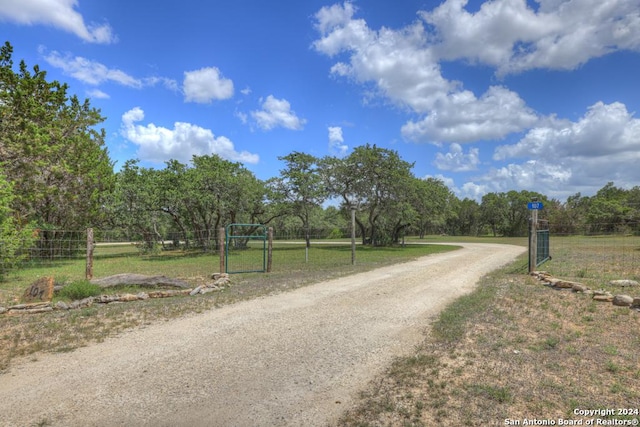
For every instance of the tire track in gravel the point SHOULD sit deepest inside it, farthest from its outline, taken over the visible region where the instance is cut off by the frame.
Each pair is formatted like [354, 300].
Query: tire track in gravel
[292, 359]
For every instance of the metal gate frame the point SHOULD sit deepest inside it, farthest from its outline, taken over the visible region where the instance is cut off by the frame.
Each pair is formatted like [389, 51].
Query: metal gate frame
[228, 233]
[541, 244]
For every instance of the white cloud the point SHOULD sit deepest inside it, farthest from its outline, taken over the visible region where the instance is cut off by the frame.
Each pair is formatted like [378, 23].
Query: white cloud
[330, 17]
[57, 13]
[242, 117]
[605, 130]
[88, 71]
[603, 145]
[277, 113]
[403, 67]
[98, 94]
[94, 73]
[511, 36]
[336, 141]
[159, 144]
[532, 175]
[463, 118]
[456, 160]
[206, 85]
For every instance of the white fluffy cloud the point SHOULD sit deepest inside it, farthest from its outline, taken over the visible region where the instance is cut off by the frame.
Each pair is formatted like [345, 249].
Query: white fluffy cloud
[206, 85]
[88, 71]
[605, 130]
[57, 13]
[336, 141]
[277, 113]
[98, 94]
[456, 160]
[603, 145]
[512, 37]
[403, 67]
[95, 73]
[464, 118]
[159, 144]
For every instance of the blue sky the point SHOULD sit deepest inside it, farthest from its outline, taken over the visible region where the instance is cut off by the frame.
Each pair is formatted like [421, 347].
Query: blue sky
[488, 96]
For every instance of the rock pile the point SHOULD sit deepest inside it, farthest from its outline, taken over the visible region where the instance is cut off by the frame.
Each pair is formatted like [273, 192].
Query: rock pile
[621, 300]
[220, 282]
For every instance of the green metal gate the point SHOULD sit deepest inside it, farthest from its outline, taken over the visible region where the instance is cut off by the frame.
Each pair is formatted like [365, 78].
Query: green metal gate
[542, 242]
[245, 248]
[542, 254]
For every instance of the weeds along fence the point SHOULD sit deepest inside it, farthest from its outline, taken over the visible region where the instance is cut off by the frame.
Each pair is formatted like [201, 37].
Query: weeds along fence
[596, 253]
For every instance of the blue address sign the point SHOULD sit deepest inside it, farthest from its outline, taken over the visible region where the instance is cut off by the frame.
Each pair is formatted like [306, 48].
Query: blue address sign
[535, 206]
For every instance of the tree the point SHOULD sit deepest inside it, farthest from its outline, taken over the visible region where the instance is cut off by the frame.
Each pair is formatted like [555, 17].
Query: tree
[299, 189]
[609, 209]
[50, 149]
[494, 208]
[378, 183]
[15, 237]
[197, 199]
[466, 220]
[432, 203]
[517, 213]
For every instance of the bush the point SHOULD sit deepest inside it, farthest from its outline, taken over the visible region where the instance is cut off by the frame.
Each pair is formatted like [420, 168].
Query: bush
[14, 237]
[80, 290]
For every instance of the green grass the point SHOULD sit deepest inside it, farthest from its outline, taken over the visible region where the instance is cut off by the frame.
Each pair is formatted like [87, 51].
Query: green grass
[79, 290]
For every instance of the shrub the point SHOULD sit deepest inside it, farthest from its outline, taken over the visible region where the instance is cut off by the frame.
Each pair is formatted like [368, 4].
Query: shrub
[15, 238]
[80, 290]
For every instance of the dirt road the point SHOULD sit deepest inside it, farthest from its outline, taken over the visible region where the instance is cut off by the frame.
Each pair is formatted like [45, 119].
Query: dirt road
[292, 359]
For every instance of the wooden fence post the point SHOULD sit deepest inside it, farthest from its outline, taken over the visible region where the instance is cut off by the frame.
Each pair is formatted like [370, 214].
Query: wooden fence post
[221, 243]
[269, 249]
[90, 245]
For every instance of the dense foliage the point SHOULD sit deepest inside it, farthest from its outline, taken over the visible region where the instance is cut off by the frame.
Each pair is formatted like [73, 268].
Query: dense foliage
[50, 150]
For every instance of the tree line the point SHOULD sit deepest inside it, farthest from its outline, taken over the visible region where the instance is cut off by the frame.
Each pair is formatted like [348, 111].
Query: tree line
[56, 174]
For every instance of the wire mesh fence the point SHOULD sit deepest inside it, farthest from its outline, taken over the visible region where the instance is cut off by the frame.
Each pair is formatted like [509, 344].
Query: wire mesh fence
[604, 251]
[596, 256]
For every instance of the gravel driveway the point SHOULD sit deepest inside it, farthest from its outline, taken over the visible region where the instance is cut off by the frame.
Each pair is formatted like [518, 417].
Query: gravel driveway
[293, 359]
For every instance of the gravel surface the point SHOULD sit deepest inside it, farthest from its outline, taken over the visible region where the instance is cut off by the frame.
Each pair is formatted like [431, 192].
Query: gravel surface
[293, 359]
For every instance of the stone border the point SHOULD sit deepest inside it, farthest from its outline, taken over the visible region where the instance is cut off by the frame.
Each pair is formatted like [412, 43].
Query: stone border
[221, 282]
[621, 300]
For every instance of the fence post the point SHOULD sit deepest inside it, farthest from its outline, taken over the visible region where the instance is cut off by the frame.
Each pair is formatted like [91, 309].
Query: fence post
[533, 241]
[89, 267]
[221, 235]
[269, 249]
[353, 234]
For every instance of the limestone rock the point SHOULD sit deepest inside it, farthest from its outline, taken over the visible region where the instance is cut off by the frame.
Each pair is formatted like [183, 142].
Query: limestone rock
[129, 279]
[602, 296]
[579, 287]
[61, 305]
[195, 291]
[3, 310]
[83, 303]
[622, 300]
[169, 293]
[624, 283]
[563, 284]
[40, 290]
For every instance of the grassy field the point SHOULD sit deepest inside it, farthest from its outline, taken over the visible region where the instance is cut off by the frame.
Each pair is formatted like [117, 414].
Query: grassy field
[65, 330]
[515, 352]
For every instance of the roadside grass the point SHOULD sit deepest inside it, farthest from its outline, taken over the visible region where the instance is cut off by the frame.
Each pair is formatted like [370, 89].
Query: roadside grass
[62, 331]
[514, 349]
